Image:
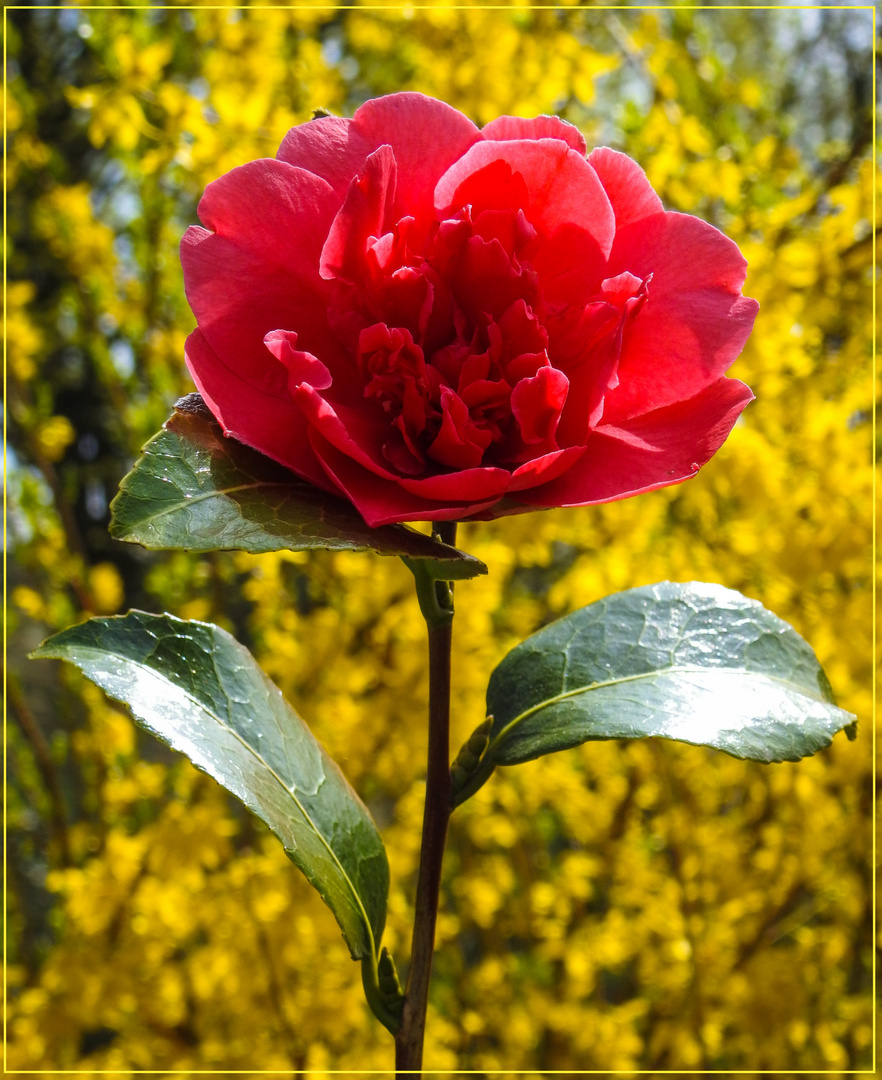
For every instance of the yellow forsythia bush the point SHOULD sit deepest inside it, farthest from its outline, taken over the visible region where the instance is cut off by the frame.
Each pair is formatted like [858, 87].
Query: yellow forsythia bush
[642, 906]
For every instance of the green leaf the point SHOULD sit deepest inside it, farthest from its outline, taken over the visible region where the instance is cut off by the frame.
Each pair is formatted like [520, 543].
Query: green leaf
[697, 663]
[200, 691]
[198, 490]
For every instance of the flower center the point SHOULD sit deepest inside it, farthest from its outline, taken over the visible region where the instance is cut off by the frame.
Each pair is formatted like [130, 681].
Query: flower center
[458, 353]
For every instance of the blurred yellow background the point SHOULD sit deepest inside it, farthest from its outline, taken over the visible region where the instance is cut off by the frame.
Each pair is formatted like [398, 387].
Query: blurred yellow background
[636, 906]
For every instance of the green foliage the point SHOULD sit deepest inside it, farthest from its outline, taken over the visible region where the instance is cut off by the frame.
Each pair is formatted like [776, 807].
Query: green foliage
[196, 490]
[199, 690]
[697, 663]
[646, 906]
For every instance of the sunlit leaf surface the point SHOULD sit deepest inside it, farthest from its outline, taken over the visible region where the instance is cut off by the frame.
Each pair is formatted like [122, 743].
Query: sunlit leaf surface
[693, 662]
[199, 690]
[197, 490]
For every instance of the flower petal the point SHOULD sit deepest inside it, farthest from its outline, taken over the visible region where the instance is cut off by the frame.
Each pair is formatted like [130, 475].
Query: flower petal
[661, 448]
[254, 415]
[302, 366]
[562, 188]
[484, 282]
[380, 502]
[427, 136]
[329, 146]
[506, 128]
[352, 430]
[536, 404]
[626, 186]
[545, 468]
[257, 270]
[459, 444]
[695, 321]
[365, 213]
[469, 485]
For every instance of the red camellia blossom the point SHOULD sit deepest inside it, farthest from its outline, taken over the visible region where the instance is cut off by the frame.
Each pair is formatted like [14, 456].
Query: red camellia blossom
[440, 322]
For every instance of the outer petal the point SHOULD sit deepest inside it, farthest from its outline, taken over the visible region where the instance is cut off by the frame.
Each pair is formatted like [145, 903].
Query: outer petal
[505, 128]
[469, 485]
[381, 502]
[257, 270]
[661, 448]
[244, 409]
[562, 187]
[427, 136]
[626, 185]
[695, 321]
[330, 147]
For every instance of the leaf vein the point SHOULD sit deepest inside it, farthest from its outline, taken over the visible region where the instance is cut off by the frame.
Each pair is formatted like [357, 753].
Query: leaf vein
[291, 791]
[683, 669]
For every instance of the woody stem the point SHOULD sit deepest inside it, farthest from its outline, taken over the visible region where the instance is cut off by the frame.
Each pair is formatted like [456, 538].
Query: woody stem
[409, 1040]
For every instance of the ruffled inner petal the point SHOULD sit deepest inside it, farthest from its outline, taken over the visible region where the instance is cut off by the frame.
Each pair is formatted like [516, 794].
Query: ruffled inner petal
[366, 212]
[562, 188]
[302, 366]
[381, 503]
[537, 403]
[357, 432]
[460, 443]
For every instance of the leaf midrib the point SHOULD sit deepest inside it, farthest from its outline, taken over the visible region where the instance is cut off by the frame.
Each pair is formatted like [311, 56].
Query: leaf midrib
[201, 705]
[681, 669]
[189, 500]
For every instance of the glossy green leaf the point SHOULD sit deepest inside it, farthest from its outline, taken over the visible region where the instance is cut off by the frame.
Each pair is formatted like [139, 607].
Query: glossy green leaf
[697, 663]
[198, 490]
[199, 690]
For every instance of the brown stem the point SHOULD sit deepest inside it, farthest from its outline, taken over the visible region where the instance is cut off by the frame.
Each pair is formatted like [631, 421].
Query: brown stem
[18, 402]
[275, 992]
[409, 1040]
[43, 758]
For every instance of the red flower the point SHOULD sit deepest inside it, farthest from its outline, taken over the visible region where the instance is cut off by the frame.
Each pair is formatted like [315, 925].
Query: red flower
[440, 322]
